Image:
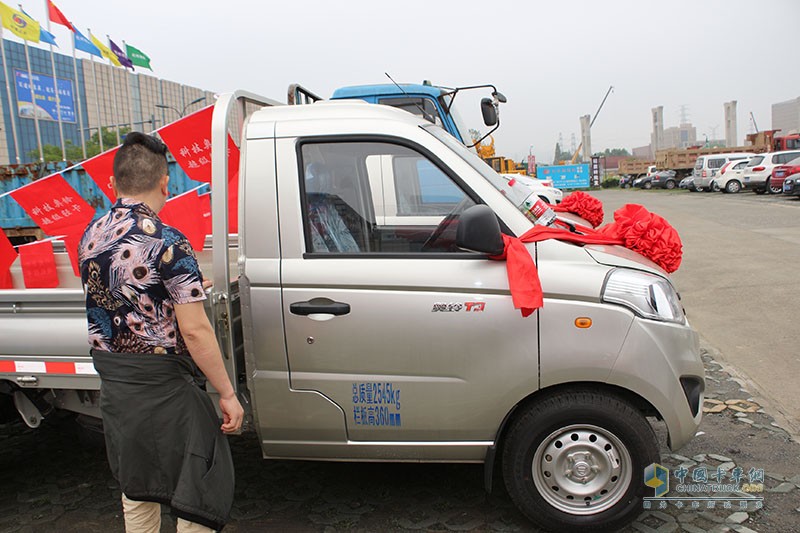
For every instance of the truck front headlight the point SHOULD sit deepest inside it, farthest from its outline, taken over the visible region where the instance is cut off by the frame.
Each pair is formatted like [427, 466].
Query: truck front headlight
[647, 295]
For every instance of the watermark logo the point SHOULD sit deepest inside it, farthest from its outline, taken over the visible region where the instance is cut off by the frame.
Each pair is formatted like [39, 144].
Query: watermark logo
[657, 477]
[704, 487]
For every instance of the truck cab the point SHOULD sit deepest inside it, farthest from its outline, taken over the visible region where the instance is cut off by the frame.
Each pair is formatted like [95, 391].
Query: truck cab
[432, 103]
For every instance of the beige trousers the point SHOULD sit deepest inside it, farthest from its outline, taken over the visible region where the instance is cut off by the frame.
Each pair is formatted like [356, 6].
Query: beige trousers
[145, 517]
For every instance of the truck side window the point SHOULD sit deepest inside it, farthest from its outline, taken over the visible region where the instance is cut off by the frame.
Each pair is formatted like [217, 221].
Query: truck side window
[377, 198]
[422, 107]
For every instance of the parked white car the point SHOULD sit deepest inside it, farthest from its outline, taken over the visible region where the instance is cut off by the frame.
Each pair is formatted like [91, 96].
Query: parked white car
[543, 188]
[758, 171]
[707, 166]
[729, 178]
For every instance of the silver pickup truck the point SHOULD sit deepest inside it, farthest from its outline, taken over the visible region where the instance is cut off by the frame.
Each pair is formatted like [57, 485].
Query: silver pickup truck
[361, 318]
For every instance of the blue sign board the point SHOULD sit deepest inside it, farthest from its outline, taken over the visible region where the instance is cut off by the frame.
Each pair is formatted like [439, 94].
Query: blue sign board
[566, 176]
[45, 89]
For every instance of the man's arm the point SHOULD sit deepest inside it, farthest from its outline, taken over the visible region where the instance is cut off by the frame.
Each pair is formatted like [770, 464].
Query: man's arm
[202, 344]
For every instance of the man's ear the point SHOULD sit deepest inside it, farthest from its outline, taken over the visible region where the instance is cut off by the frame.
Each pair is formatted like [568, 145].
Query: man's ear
[113, 182]
[164, 184]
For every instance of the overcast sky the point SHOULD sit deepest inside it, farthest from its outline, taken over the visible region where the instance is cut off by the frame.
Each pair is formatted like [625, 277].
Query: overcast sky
[554, 61]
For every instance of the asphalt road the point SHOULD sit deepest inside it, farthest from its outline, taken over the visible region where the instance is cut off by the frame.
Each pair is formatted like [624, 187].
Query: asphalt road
[738, 281]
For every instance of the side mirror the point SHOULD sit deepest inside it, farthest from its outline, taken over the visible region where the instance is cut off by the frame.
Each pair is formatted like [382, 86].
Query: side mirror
[489, 112]
[479, 231]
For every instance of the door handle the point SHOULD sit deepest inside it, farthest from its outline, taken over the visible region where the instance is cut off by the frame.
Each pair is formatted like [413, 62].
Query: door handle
[319, 306]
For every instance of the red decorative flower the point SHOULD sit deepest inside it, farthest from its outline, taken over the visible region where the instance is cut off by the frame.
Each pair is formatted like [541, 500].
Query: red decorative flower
[584, 205]
[648, 234]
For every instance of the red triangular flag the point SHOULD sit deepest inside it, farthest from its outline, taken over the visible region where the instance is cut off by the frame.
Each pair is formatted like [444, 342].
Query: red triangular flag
[71, 243]
[7, 257]
[185, 213]
[54, 206]
[233, 186]
[38, 265]
[205, 200]
[100, 168]
[189, 142]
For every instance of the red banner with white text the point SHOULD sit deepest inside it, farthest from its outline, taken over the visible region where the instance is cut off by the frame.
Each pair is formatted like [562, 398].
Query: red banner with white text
[38, 265]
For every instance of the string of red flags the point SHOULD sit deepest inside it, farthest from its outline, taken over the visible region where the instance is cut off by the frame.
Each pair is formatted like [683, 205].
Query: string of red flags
[57, 209]
[60, 211]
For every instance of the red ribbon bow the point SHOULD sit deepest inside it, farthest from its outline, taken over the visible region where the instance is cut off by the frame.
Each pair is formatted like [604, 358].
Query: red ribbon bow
[634, 227]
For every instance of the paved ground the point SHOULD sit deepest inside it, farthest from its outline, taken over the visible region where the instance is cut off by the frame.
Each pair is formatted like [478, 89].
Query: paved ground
[738, 281]
[54, 480]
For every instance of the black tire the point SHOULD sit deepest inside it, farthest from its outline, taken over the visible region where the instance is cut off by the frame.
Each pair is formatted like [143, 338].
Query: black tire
[604, 431]
[773, 190]
[733, 187]
[647, 185]
[670, 184]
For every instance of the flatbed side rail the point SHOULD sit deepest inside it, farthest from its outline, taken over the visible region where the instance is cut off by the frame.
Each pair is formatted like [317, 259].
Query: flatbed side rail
[229, 117]
[299, 95]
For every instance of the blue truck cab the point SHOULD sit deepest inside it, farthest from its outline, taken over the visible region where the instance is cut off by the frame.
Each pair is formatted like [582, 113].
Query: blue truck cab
[433, 103]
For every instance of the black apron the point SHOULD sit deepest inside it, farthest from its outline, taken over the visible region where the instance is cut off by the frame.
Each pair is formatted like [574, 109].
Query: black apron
[162, 435]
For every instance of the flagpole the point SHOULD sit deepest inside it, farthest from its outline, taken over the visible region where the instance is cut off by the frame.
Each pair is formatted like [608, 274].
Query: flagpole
[114, 101]
[114, 90]
[12, 115]
[131, 107]
[97, 103]
[55, 87]
[81, 132]
[33, 100]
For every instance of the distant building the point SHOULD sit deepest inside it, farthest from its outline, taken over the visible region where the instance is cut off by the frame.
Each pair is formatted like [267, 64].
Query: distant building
[786, 116]
[88, 102]
[611, 162]
[643, 152]
[679, 137]
[731, 127]
[657, 137]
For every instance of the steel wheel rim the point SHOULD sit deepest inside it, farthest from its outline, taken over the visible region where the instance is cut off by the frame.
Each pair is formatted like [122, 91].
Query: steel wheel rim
[582, 469]
[733, 186]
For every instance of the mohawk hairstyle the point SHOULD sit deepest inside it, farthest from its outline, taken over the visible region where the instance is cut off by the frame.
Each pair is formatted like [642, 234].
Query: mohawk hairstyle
[140, 162]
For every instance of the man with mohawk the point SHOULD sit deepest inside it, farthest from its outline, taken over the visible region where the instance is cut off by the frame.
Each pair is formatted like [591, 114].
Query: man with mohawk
[154, 348]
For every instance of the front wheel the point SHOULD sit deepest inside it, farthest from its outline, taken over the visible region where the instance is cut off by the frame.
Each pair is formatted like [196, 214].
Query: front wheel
[576, 460]
[733, 187]
[647, 185]
[670, 184]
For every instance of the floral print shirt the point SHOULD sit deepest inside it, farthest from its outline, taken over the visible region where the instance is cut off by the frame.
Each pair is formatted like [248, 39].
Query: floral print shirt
[134, 269]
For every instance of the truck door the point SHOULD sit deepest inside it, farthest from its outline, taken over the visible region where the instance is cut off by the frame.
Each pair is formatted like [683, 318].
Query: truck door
[413, 338]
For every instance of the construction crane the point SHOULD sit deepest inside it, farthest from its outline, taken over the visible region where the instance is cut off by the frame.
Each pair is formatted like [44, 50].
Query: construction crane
[578, 151]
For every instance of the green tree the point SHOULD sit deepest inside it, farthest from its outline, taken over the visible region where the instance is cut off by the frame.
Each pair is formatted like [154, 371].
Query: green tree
[613, 152]
[561, 155]
[74, 152]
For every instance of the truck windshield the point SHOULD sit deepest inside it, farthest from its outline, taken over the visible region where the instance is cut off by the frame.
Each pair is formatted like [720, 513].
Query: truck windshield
[514, 190]
[461, 126]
